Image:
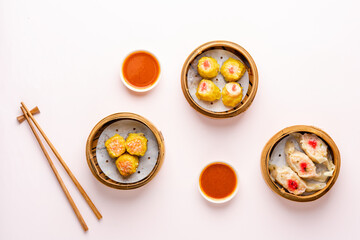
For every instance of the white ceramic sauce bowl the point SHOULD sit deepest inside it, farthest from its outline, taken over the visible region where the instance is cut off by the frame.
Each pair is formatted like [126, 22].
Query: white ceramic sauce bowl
[220, 200]
[135, 89]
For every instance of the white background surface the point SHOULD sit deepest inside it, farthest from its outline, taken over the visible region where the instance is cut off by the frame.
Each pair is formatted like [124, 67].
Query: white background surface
[65, 56]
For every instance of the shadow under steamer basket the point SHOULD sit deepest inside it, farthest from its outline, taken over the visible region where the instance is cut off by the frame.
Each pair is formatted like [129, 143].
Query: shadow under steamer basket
[92, 145]
[270, 146]
[251, 69]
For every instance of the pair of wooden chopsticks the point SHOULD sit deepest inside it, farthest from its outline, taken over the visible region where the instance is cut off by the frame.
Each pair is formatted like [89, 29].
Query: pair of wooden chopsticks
[29, 115]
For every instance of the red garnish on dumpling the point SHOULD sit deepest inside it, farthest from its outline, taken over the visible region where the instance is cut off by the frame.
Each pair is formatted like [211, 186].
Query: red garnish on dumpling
[312, 143]
[203, 86]
[231, 70]
[233, 88]
[206, 64]
[303, 166]
[292, 185]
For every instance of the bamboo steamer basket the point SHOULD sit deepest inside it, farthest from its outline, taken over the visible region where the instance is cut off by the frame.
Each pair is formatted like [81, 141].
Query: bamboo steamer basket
[91, 145]
[266, 153]
[250, 67]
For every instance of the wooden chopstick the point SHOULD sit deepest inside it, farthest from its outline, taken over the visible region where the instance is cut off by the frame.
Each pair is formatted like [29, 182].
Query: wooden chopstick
[68, 196]
[67, 169]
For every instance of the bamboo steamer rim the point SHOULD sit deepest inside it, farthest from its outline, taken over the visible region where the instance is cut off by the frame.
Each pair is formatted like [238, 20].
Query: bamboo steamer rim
[91, 153]
[250, 67]
[266, 153]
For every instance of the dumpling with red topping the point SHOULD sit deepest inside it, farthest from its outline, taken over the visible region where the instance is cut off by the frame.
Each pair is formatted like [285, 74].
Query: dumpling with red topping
[136, 144]
[287, 178]
[232, 94]
[299, 161]
[208, 91]
[302, 164]
[232, 70]
[208, 67]
[315, 148]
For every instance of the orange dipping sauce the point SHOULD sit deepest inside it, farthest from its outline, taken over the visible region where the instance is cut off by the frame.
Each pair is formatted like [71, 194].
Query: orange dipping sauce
[141, 69]
[218, 180]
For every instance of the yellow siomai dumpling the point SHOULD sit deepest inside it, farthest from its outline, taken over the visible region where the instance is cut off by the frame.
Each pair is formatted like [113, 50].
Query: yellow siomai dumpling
[232, 94]
[127, 164]
[207, 91]
[232, 70]
[208, 67]
[115, 146]
[136, 144]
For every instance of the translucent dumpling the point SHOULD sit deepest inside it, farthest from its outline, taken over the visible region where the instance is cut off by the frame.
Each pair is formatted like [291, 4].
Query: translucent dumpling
[287, 178]
[315, 148]
[299, 161]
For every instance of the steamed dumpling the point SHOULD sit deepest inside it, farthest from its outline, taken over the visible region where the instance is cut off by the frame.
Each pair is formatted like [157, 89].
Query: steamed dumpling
[127, 164]
[208, 67]
[232, 94]
[208, 91]
[315, 148]
[299, 161]
[136, 144]
[232, 70]
[287, 178]
[115, 146]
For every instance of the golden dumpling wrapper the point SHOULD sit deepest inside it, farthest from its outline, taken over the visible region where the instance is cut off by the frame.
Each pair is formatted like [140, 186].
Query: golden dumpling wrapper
[232, 94]
[127, 164]
[208, 67]
[208, 91]
[232, 70]
[115, 146]
[136, 144]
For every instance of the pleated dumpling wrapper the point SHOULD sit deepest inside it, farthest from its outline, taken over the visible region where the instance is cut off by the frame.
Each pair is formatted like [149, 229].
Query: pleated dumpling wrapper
[208, 67]
[287, 178]
[208, 91]
[302, 164]
[115, 146]
[316, 149]
[299, 161]
[127, 164]
[231, 94]
[232, 70]
[136, 144]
